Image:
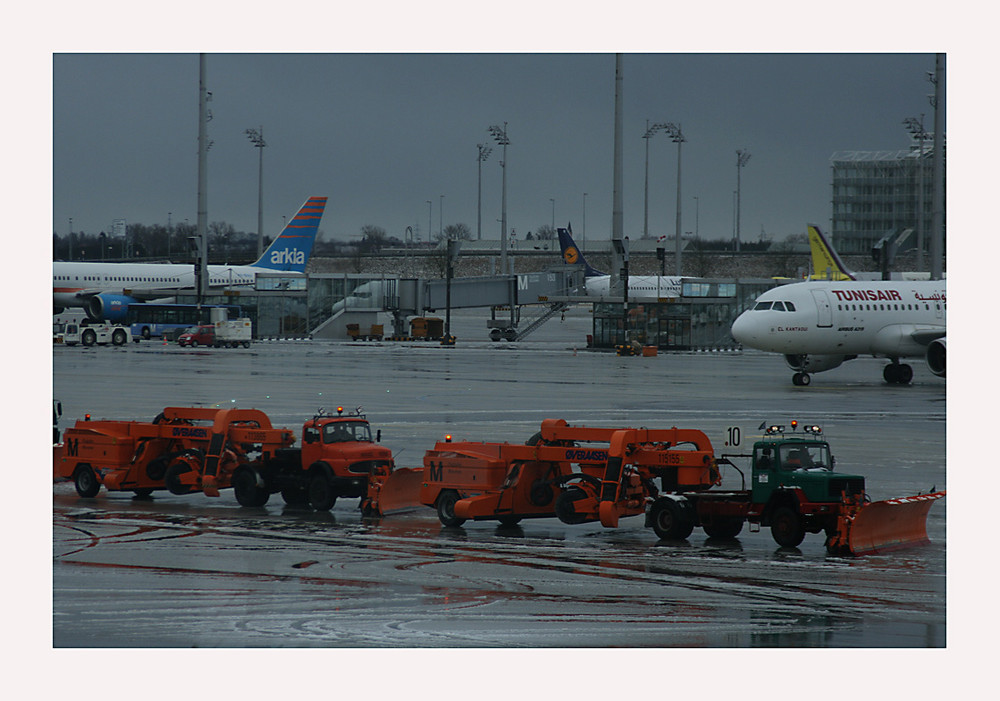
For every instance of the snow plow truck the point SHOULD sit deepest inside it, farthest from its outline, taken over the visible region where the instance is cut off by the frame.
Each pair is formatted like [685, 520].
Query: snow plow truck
[583, 474]
[191, 449]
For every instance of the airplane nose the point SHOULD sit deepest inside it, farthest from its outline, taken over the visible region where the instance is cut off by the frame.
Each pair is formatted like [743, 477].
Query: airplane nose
[742, 329]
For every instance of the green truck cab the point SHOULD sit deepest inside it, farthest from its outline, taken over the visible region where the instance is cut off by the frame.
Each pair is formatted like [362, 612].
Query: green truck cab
[794, 488]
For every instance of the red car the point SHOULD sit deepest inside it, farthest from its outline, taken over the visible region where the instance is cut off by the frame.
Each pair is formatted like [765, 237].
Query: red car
[198, 336]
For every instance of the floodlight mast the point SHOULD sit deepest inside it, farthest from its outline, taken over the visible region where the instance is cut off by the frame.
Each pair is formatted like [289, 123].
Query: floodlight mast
[202, 266]
[484, 153]
[916, 128]
[256, 136]
[499, 135]
[674, 130]
[742, 157]
[650, 131]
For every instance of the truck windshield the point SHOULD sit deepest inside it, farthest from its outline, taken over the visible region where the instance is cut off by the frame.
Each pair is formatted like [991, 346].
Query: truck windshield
[341, 431]
[804, 456]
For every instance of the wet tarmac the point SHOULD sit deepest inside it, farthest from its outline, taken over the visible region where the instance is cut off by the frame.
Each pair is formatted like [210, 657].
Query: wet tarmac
[193, 571]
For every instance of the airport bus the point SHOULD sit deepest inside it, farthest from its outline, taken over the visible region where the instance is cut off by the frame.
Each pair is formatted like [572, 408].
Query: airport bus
[154, 320]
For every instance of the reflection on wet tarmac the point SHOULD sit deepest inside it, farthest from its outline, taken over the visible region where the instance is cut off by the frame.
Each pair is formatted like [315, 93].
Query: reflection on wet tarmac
[408, 581]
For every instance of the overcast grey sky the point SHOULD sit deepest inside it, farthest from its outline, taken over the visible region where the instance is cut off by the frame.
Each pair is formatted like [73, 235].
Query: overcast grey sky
[381, 134]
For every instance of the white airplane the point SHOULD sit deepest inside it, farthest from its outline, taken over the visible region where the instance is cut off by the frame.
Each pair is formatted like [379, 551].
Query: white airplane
[104, 290]
[641, 288]
[819, 325]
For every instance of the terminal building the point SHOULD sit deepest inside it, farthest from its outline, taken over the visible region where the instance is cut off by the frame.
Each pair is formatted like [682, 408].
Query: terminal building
[877, 193]
[328, 306]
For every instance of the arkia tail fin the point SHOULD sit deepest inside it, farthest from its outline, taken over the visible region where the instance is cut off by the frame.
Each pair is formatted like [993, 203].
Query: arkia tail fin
[826, 263]
[573, 255]
[290, 251]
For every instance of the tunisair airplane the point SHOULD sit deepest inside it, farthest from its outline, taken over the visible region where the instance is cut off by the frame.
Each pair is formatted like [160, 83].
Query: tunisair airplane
[819, 325]
[105, 290]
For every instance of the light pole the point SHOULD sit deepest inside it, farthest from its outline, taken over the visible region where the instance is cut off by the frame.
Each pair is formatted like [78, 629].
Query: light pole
[742, 157]
[916, 129]
[256, 136]
[678, 138]
[650, 131]
[484, 153]
[695, 217]
[500, 136]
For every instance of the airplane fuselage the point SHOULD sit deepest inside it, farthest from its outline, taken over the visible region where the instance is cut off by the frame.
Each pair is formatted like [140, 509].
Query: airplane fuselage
[894, 319]
[71, 281]
[640, 287]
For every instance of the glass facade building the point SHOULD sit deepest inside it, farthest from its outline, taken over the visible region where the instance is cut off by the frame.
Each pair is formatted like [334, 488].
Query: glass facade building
[876, 193]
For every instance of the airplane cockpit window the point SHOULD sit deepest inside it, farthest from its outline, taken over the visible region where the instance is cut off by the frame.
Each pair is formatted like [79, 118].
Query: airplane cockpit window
[789, 306]
[761, 306]
[779, 306]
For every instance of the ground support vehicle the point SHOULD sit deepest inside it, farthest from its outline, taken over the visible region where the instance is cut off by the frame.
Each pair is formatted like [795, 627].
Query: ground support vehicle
[182, 450]
[553, 475]
[794, 489]
[222, 334]
[197, 449]
[101, 334]
[338, 458]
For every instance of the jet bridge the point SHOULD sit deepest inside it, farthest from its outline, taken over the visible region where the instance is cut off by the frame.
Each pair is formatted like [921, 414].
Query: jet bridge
[403, 297]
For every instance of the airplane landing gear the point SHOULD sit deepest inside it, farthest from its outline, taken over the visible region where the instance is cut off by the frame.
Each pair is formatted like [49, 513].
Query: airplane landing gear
[800, 379]
[897, 373]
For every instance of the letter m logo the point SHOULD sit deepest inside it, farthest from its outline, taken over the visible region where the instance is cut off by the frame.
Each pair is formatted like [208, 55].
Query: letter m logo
[73, 447]
[437, 472]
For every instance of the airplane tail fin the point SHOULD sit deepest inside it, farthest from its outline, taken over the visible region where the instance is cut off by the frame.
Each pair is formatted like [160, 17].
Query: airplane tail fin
[826, 263]
[573, 255]
[290, 251]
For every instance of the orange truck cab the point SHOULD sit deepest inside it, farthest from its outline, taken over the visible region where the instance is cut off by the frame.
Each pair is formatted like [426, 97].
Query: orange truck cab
[338, 457]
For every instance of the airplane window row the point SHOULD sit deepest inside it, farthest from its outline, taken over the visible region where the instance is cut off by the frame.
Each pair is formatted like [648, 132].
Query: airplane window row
[885, 307]
[777, 306]
[98, 278]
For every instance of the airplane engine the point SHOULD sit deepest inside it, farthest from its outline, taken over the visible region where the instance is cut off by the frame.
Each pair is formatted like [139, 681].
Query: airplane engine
[111, 308]
[816, 363]
[935, 356]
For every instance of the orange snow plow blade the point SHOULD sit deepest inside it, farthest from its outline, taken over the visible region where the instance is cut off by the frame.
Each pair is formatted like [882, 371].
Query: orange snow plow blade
[891, 524]
[399, 491]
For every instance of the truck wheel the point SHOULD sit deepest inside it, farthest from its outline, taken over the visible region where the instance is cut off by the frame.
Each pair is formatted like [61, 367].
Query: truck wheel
[446, 508]
[322, 497]
[89, 338]
[246, 344]
[143, 493]
[786, 527]
[246, 489]
[509, 521]
[565, 510]
[194, 344]
[118, 337]
[86, 482]
[724, 528]
[670, 520]
[173, 478]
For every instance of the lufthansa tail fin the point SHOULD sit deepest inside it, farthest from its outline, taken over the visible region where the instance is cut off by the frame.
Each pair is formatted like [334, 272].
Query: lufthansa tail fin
[290, 251]
[573, 255]
[826, 263]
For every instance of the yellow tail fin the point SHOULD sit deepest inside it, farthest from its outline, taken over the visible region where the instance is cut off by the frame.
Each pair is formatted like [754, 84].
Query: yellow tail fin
[826, 263]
